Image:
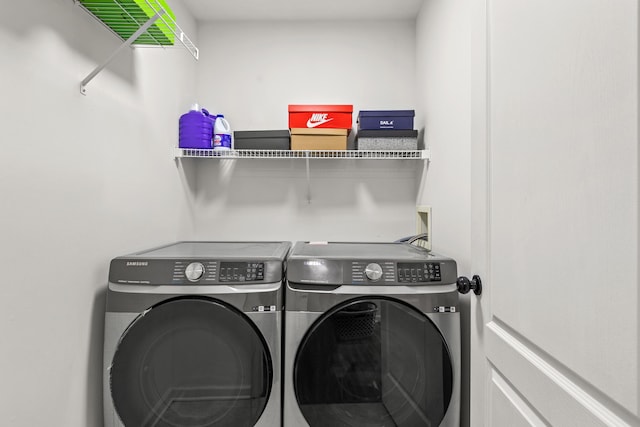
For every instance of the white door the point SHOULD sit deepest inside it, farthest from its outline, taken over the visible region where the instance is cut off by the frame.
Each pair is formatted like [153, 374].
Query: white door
[555, 213]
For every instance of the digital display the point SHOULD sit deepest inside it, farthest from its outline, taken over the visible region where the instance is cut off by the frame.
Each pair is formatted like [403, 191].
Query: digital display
[419, 272]
[241, 271]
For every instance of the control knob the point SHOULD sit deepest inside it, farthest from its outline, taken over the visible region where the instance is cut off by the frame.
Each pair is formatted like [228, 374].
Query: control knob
[194, 271]
[373, 271]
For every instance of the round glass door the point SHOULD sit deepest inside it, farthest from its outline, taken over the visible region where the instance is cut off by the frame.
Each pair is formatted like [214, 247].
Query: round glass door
[191, 362]
[373, 362]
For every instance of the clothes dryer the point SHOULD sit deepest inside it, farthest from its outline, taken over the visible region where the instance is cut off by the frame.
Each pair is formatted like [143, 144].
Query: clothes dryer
[372, 337]
[193, 336]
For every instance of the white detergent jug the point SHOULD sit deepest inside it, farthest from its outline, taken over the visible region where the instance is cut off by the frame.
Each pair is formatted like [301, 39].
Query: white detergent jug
[221, 134]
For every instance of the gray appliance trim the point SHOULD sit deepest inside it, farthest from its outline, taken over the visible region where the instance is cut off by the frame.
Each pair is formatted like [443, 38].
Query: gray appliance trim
[314, 301]
[248, 302]
[196, 290]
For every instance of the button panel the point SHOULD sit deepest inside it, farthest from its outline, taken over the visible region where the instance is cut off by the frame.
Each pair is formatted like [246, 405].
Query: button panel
[241, 271]
[421, 272]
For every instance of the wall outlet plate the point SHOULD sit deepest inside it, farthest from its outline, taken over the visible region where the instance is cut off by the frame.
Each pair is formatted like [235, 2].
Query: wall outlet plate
[423, 225]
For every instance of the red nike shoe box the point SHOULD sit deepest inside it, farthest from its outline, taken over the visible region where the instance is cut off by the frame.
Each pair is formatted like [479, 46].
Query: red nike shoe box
[320, 116]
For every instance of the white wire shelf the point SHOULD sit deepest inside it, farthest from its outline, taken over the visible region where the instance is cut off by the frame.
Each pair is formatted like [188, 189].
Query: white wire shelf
[123, 19]
[303, 154]
[143, 23]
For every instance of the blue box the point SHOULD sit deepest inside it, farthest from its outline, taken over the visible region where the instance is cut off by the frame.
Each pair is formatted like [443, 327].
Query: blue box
[386, 119]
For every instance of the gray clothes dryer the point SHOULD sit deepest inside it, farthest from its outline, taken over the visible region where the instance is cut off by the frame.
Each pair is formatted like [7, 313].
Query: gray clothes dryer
[193, 336]
[372, 337]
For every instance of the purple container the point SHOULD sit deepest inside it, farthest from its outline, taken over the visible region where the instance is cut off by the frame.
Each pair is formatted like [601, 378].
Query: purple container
[196, 129]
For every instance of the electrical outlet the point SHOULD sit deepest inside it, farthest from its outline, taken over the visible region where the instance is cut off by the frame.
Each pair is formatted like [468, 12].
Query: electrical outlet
[423, 225]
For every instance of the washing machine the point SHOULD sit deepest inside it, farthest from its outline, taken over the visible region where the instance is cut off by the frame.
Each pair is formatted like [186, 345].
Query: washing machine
[193, 336]
[372, 337]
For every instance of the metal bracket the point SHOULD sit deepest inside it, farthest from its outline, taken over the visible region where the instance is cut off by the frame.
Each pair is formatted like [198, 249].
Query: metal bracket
[127, 43]
[120, 7]
[308, 179]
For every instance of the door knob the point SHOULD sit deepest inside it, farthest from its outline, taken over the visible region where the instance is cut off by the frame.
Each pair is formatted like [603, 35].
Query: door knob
[465, 285]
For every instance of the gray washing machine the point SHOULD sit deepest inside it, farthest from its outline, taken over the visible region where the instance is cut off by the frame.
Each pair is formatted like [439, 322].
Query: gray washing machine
[372, 337]
[193, 336]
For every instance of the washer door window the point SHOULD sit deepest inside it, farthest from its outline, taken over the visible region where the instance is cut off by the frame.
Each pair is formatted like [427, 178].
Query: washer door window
[373, 362]
[191, 362]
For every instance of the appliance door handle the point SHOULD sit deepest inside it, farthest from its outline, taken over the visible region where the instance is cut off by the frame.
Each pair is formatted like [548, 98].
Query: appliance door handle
[370, 290]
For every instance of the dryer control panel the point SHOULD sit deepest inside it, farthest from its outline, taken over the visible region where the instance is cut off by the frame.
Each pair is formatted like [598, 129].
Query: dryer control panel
[368, 264]
[365, 271]
[391, 272]
[419, 272]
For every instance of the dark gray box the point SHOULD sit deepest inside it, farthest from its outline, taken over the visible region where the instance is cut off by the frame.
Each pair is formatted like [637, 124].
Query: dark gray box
[262, 140]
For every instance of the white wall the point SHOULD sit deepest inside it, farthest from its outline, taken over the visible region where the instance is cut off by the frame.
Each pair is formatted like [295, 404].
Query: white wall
[444, 96]
[82, 179]
[251, 72]
[442, 63]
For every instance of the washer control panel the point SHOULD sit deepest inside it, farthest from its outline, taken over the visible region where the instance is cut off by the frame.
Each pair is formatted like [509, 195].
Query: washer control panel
[191, 272]
[195, 272]
[419, 272]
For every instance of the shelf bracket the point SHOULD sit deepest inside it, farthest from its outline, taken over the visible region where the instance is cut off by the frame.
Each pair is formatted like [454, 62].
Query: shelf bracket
[127, 43]
[308, 179]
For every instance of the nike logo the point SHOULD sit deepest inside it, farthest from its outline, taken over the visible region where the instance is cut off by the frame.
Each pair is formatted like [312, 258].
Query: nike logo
[317, 119]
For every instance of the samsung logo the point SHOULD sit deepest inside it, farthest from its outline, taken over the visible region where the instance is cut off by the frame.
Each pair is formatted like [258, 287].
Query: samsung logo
[313, 263]
[137, 263]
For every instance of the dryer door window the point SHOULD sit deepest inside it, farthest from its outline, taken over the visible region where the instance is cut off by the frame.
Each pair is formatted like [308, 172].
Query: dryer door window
[373, 362]
[191, 362]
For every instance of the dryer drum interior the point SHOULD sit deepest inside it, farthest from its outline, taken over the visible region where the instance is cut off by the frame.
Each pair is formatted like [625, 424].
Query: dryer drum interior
[191, 362]
[373, 362]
